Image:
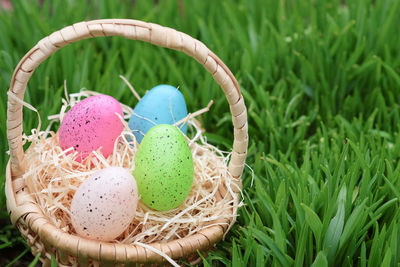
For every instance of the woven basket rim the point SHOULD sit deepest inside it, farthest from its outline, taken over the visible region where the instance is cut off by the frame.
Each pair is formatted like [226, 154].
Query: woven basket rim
[43, 236]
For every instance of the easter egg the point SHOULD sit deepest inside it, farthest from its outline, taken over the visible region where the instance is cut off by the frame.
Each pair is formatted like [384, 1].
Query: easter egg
[164, 104]
[90, 124]
[164, 168]
[105, 204]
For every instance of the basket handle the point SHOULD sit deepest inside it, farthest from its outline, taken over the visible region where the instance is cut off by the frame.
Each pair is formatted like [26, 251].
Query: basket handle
[136, 30]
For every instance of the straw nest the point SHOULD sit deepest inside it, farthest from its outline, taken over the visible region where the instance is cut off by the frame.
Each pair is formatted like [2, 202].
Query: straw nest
[53, 176]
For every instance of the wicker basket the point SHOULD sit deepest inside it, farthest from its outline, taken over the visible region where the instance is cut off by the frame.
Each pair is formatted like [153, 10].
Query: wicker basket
[42, 236]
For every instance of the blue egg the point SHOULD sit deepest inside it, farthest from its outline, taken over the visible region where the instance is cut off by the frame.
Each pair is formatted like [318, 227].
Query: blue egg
[164, 104]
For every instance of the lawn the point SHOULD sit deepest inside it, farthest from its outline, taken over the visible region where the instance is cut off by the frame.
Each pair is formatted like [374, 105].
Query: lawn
[321, 81]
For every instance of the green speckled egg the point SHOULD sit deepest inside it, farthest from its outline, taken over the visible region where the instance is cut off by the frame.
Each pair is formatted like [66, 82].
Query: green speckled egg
[164, 168]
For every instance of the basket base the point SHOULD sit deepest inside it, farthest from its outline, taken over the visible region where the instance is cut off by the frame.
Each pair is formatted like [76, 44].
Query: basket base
[46, 239]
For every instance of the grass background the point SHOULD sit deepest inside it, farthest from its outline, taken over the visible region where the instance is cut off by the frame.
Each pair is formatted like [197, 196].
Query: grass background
[321, 81]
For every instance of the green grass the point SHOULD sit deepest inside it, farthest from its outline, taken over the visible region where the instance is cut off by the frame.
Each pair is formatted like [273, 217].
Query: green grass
[321, 81]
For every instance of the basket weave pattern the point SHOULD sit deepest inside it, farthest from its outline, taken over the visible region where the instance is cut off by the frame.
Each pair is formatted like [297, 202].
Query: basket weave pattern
[44, 237]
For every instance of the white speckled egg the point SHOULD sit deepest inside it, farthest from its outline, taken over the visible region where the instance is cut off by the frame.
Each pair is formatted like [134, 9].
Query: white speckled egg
[105, 204]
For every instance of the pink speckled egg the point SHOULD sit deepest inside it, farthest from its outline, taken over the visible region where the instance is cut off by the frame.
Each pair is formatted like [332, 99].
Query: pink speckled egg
[90, 124]
[105, 204]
